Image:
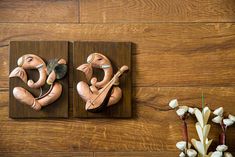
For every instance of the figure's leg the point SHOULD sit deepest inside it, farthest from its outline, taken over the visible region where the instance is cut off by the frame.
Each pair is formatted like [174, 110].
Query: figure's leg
[52, 96]
[84, 90]
[23, 96]
[115, 96]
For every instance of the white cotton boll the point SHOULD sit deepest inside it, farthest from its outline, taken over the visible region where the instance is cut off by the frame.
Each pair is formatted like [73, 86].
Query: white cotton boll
[182, 154]
[191, 153]
[231, 117]
[222, 148]
[191, 110]
[180, 112]
[181, 145]
[173, 103]
[217, 154]
[219, 111]
[184, 107]
[228, 122]
[227, 154]
[217, 119]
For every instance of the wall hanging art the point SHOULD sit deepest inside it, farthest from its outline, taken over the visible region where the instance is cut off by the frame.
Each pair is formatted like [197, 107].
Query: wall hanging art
[38, 79]
[102, 79]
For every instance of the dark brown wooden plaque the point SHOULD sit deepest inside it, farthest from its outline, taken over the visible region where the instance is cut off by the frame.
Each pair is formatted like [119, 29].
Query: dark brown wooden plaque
[46, 50]
[119, 54]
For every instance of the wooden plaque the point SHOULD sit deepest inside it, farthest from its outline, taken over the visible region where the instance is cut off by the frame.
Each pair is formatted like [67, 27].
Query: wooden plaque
[119, 53]
[46, 50]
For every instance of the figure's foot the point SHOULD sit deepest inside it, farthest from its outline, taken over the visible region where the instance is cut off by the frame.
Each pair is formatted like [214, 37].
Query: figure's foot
[36, 106]
[115, 96]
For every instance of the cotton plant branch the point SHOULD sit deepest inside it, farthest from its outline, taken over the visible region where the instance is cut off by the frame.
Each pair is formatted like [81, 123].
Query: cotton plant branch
[224, 124]
[183, 112]
[203, 130]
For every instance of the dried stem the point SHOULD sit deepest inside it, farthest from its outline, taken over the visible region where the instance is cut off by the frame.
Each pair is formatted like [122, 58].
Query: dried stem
[185, 132]
[222, 136]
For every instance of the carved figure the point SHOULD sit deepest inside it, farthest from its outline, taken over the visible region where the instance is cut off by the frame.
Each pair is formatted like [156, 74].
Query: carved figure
[56, 69]
[104, 93]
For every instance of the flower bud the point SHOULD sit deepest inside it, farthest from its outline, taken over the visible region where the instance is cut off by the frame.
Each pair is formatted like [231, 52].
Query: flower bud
[191, 153]
[222, 148]
[173, 103]
[181, 145]
[217, 119]
[180, 112]
[219, 111]
[217, 154]
[231, 117]
[182, 154]
[228, 122]
[191, 110]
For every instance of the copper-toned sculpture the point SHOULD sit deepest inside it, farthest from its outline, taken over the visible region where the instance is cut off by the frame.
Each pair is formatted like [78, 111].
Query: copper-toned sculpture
[101, 94]
[56, 69]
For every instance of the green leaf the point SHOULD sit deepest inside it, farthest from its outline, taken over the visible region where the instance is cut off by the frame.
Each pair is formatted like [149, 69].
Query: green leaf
[60, 71]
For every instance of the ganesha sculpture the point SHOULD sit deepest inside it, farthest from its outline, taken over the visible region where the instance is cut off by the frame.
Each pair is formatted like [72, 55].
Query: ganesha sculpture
[55, 69]
[100, 94]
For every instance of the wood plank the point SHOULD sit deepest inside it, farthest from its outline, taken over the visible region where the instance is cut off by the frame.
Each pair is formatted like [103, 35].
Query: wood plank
[46, 154]
[4, 63]
[47, 50]
[103, 11]
[39, 11]
[153, 128]
[135, 154]
[119, 54]
[166, 54]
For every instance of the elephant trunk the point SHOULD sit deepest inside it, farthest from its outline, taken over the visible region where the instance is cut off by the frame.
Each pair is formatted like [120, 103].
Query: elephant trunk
[42, 78]
[108, 73]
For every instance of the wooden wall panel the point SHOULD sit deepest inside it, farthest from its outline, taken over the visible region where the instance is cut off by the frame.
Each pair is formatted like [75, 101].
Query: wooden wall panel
[39, 11]
[183, 48]
[46, 50]
[119, 54]
[120, 11]
[175, 54]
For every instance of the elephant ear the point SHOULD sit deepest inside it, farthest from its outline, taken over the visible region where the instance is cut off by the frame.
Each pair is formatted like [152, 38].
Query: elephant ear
[60, 69]
[19, 72]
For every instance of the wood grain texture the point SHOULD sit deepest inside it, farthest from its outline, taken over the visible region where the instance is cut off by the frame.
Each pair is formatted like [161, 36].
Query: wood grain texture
[46, 50]
[120, 11]
[135, 154]
[46, 154]
[39, 11]
[165, 54]
[177, 55]
[153, 128]
[119, 53]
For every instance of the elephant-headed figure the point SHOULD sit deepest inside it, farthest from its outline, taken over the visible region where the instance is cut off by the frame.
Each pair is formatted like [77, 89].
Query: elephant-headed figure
[100, 94]
[55, 69]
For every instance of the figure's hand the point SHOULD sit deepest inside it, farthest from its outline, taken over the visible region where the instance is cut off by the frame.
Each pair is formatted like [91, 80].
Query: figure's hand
[93, 81]
[51, 78]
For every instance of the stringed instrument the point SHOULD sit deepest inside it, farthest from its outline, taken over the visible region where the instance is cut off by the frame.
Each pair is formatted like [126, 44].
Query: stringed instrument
[100, 100]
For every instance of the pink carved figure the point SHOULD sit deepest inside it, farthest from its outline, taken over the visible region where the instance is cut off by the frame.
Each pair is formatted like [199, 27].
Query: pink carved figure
[47, 74]
[99, 94]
